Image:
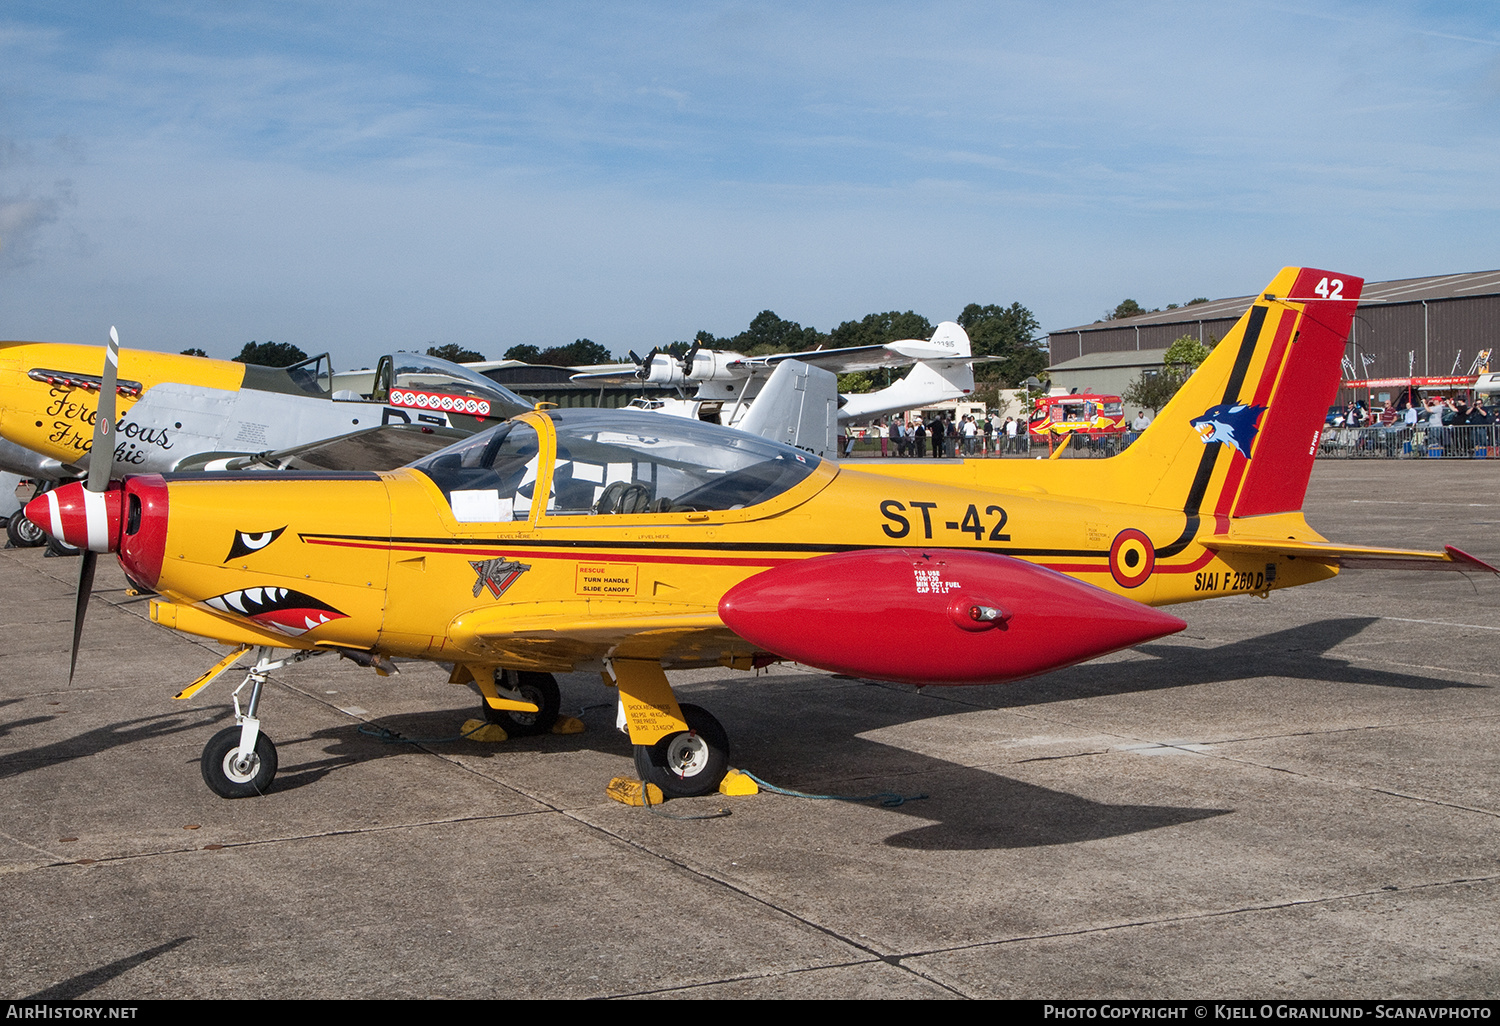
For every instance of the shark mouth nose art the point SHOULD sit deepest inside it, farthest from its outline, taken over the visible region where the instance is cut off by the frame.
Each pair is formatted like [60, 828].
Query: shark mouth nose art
[284, 610]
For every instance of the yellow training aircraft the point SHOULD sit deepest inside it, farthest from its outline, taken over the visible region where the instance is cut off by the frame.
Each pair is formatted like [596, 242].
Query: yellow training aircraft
[628, 543]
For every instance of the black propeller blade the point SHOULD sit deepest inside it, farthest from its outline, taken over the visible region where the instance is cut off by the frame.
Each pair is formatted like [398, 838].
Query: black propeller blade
[101, 461]
[644, 370]
[81, 604]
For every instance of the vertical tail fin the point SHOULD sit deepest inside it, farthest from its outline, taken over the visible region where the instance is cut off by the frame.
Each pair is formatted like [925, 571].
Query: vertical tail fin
[1240, 436]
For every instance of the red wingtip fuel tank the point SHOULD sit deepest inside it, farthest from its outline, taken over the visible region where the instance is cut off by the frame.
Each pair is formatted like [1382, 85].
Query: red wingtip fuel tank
[937, 616]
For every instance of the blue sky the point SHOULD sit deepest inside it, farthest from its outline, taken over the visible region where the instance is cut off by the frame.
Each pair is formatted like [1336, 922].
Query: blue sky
[365, 177]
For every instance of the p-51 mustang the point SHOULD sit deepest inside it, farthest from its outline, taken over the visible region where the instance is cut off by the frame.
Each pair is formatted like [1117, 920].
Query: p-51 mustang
[192, 413]
[188, 412]
[628, 543]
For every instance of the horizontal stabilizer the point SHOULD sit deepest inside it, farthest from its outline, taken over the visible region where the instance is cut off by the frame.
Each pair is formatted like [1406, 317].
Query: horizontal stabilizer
[1353, 557]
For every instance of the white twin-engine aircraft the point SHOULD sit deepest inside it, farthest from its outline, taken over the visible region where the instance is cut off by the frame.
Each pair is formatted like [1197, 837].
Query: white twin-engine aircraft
[728, 383]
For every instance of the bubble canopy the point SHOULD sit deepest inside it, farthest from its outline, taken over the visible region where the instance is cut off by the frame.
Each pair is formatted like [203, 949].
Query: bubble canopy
[430, 374]
[612, 462]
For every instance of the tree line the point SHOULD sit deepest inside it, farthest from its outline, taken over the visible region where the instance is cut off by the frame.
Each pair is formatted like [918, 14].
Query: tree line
[1011, 333]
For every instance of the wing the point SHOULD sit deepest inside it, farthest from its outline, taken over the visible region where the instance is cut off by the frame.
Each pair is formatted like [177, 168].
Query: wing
[949, 345]
[620, 373]
[1352, 557]
[564, 634]
[858, 358]
[840, 361]
[378, 448]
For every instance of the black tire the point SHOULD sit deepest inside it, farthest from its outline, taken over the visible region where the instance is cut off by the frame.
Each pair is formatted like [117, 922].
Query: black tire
[224, 778]
[689, 763]
[539, 688]
[23, 534]
[60, 548]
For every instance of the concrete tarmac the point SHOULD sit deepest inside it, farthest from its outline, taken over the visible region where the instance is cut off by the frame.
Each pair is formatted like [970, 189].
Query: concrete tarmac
[1296, 797]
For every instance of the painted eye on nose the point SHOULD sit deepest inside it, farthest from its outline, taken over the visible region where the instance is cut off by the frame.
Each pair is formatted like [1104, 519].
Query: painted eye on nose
[246, 542]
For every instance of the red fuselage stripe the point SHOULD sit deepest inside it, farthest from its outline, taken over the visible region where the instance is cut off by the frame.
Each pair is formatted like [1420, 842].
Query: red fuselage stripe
[631, 557]
[614, 557]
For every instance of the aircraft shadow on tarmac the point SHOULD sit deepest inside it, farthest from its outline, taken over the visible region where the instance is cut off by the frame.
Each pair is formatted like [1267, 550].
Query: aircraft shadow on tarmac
[100, 739]
[979, 809]
[973, 809]
[965, 808]
[804, 732]
[75, 987]
[1297, 653]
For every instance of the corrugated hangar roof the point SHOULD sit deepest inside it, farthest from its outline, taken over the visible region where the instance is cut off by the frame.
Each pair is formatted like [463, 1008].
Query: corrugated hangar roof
[1112, 360]
[1402, 290]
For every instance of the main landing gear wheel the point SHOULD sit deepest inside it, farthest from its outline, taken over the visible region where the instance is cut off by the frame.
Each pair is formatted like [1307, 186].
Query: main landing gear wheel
[229, 776]
[23, 534]
[62, 548]
[540, 689]
[689, 763]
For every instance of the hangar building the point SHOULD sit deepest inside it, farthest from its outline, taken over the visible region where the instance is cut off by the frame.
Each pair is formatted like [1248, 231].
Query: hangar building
[1423, 327]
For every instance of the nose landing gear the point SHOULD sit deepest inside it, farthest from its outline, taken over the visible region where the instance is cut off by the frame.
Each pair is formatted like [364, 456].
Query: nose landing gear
[230, 773]
[240, 761]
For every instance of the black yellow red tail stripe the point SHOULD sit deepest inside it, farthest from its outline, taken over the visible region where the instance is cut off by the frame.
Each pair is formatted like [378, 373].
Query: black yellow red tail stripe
[1240, 436]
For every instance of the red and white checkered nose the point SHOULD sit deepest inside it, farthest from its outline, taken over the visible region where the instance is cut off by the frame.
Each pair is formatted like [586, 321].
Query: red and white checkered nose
[73, 514]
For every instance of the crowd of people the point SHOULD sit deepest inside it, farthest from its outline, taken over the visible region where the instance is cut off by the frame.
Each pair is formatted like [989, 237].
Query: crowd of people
[1433, 411]
[1421, 427]
[1430, 425]
[938, 435]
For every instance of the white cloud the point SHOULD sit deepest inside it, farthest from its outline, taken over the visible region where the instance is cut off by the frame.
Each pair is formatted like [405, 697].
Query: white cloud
[21, 221]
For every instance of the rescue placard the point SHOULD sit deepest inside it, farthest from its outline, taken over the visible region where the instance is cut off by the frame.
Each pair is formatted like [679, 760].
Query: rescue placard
[613, 579]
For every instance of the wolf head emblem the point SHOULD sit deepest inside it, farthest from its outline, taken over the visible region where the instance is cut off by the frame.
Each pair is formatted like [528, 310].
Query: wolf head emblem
[1235, 426]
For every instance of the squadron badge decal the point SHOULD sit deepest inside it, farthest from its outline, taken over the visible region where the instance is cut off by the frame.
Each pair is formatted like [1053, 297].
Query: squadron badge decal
[1235, 426]
[496, 574]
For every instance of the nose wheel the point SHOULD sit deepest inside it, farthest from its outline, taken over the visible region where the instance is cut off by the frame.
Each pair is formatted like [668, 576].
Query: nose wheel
[231, 773]
[689, 763]
[240, 761]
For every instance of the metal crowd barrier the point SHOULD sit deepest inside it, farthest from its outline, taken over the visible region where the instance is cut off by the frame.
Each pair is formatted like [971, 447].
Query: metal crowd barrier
[1460, 441]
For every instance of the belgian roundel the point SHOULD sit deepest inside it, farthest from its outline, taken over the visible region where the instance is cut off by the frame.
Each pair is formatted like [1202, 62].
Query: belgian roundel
[1132, 557]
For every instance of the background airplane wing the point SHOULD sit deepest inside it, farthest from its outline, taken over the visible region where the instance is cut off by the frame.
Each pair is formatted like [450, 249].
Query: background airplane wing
[840, 361]
[378, 448]
[625, 370]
